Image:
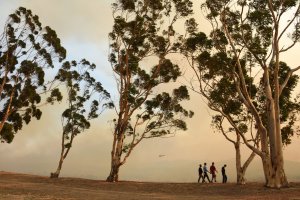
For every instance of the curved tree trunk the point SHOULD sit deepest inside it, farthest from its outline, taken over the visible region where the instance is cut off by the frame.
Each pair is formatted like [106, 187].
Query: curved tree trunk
[60, 163]
[63, 155]
[57, 172]
[61, 160]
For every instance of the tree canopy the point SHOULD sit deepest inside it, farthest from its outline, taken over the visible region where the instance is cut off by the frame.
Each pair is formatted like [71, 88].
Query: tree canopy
[85, 96]
[248, 37]
[26, 50]
[141, 30]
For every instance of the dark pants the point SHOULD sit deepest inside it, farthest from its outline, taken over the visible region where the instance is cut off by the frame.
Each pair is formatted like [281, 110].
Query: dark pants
[200, 176]
[205, 176]
[224, 178]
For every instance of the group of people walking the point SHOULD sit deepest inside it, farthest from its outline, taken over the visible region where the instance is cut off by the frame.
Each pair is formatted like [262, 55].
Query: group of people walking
[203, 173]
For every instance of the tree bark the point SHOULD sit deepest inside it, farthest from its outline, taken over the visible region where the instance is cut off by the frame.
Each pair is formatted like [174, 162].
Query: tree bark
[114, 171]
[57, 172]
[116, 158]
[241, 170]
[273, 163]
[240, 173]
[270, 130]
[240, 178]
[274, 173]
[63, 155]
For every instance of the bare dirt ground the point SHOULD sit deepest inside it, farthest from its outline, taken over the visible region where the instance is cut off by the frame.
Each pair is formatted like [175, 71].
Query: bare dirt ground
[15, 186]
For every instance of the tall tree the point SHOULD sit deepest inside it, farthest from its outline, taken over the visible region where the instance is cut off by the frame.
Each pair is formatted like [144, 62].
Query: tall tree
[259, 31]
[213, 82]
[145, 29]
[26, 50]
[85, 95]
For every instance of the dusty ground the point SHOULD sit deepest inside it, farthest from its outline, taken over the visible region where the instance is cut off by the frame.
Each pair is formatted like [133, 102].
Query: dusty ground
[28, 187]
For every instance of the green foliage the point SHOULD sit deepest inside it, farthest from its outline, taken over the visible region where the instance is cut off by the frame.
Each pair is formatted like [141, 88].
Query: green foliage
[215, 69]
[145, 29]
[243, 46]
[197, 40]
[6, 133]
[85, 95]
[27, 50]
[55, 96]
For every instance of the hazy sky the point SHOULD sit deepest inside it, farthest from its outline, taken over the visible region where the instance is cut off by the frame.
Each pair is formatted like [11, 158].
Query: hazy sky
[83, 26]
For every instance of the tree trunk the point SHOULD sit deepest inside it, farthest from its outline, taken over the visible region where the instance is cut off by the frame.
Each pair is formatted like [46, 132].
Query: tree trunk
[63, 154]
[56, 174]
[241, 170]
[274, 174]
[272, 158]
[114, 171]
[240, 176]
[240, 173]
[116, 159]
[268, 172]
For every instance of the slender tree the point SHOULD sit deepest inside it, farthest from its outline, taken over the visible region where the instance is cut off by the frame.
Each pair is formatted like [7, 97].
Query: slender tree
[85, 95]
[145, 29]
[259, 31]
[215, 84]
[27, 50]
[212, 81]
[234, 137]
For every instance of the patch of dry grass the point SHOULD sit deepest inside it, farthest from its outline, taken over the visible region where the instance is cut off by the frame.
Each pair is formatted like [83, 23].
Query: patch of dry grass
[29, 187]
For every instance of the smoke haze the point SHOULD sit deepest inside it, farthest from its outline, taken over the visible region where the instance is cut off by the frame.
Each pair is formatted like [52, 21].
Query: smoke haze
[83, 27]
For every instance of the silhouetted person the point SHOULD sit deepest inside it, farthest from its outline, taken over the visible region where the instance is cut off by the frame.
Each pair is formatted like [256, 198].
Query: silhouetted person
[224, 174]
[200, 171]
[213, 172]
[205, 171]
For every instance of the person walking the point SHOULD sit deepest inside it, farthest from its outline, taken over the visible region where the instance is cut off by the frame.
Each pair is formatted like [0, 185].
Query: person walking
[224, 174]
[205, 171]
[213, 172]
[200, 171]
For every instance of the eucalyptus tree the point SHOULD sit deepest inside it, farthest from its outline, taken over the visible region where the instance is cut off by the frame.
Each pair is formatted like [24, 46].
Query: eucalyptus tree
[84, 96]
[259, 31]
[212, 81]
[27, 50]
[144, 31]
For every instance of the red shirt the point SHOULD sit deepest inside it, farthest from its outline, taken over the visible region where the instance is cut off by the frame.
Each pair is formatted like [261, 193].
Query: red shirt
[212, 169]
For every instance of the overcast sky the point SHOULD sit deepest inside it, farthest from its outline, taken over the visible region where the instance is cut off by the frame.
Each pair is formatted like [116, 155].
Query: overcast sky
[83, 26]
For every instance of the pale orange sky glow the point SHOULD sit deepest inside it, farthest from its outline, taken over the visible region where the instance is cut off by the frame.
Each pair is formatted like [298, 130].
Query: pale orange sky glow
[83, 27]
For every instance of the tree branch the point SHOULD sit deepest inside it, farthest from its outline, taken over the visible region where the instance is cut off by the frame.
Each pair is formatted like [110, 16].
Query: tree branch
[290, 73]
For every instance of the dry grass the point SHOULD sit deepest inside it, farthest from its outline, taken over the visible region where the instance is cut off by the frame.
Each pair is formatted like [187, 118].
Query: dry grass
[29, 187]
